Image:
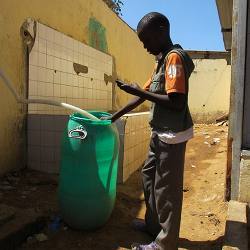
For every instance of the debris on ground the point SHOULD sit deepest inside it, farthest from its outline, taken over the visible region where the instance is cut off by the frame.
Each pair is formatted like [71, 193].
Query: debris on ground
[41, 237]
[215, 141]
[222, 118]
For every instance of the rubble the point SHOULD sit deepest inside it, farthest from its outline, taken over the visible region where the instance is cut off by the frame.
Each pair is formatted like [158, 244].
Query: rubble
[41, 237]
[215, 141]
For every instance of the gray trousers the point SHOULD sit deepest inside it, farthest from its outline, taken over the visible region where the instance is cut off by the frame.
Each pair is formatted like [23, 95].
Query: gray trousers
[162, 177]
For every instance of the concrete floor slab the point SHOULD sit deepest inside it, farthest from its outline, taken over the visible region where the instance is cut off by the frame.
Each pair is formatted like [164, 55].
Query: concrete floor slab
[236, 237]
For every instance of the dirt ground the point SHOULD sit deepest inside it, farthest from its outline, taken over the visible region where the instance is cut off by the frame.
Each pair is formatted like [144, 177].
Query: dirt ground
[204, 209]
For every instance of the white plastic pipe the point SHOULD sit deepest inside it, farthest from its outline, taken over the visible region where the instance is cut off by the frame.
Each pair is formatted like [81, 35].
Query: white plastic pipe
[43, 101]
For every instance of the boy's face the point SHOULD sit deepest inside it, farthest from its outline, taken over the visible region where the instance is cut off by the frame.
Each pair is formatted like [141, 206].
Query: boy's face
[155, 40]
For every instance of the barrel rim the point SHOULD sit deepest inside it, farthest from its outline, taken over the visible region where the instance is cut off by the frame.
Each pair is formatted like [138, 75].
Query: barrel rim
[80, 118]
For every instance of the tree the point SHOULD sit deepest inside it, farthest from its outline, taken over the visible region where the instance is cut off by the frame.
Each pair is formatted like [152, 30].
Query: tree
[115, 5]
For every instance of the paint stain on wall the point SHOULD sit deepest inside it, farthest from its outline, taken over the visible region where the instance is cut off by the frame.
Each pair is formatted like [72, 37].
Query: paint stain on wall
[97, 35]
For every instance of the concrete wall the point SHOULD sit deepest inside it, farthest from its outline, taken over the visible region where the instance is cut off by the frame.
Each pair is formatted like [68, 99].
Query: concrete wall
[244, 183]
[88, 21]
[209, 89]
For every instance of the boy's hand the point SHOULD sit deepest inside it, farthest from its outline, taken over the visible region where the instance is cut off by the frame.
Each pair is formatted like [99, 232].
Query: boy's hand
[129, 88]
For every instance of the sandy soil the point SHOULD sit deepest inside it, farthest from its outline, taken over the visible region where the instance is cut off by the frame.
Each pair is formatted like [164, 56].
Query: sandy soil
[204, 209]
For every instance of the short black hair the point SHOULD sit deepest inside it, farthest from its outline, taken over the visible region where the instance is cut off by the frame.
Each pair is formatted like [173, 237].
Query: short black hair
[153, 19]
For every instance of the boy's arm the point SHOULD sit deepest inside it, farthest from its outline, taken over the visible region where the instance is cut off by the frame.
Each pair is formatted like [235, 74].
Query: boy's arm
[173, 100]
[130, 106]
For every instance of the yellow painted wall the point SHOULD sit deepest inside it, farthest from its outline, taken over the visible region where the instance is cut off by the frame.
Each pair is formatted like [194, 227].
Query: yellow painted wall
[131, 62]
[209, 94]
[209, 85]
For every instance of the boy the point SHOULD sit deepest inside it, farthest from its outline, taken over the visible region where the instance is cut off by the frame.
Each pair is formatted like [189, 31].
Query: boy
[172, 127]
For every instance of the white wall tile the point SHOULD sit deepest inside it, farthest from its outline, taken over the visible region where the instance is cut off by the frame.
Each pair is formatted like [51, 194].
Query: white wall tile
[41, 74]
[80, 93]
[32, 88]
[57, 63]
[89, 91]
[42, 45]
[57, 90]
[57, 51]
[64, 78]
[42, 30]
[85, 93]
[81, 59]
[32, 108]
[69, 67]
[64, 41]
[70, 79]
[57, 77]
[49, 34]
[75, 46]
[64, 65]
[35, 46]
[41, 89]
[50, 62]
[70, 54]
[75, 92]
[81, 48]
[75, 81]
[80, 82]
[33, 58]
[50, 48]
[63, 90]
[69, 92]
[75, 58]
[33, 72]
[64, 53]
[49, 90]
[42, 60]
[57, 37]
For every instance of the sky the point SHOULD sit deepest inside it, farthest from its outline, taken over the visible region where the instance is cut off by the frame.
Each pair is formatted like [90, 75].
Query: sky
[194, 23]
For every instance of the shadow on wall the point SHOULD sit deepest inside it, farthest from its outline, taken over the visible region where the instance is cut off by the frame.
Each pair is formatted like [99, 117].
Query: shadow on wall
[207, 117]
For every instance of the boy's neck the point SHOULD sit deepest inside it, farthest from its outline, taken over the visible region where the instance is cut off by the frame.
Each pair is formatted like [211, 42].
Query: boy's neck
[164, 51]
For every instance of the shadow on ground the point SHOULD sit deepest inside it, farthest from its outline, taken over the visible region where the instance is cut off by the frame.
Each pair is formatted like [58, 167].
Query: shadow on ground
[201, 245]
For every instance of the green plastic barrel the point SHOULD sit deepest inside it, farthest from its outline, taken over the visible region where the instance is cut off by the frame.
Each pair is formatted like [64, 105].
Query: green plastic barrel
[88, 171]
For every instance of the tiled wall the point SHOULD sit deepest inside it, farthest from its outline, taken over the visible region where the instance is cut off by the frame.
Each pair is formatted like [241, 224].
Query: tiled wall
[44, 141]
[52, 76]
[136, 142]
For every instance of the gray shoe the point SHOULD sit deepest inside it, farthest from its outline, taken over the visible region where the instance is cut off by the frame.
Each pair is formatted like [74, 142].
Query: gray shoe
[151, 246]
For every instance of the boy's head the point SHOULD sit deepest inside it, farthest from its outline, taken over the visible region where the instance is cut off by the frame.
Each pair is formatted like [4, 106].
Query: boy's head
[154, 32]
